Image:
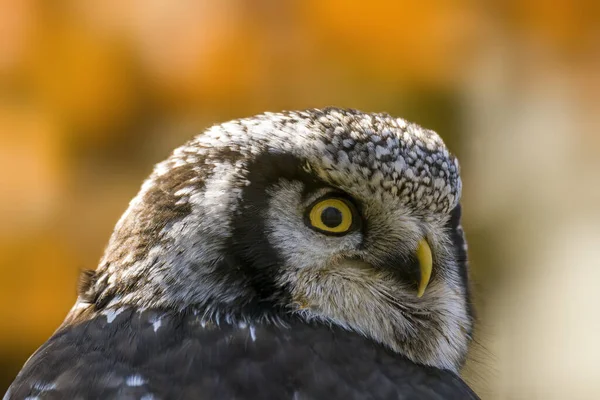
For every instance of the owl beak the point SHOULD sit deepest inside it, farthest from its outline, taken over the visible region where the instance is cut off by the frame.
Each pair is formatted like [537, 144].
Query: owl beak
[425, 265]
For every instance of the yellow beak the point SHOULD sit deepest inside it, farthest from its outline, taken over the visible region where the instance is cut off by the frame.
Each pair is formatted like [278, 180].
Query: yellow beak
[425, 264]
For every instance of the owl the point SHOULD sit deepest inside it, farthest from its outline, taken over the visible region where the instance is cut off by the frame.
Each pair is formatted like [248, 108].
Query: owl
[313, 254]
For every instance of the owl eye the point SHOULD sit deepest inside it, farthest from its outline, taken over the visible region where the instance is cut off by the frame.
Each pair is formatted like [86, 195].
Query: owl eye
[332, 215]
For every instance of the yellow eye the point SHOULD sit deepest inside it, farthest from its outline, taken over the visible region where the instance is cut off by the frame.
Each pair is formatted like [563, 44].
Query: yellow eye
[331, 215]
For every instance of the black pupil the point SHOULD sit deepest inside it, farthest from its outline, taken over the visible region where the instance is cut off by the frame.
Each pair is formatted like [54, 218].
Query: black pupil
[331, 217]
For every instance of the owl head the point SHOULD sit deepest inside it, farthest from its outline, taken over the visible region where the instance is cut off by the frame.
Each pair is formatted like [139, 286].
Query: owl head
[329, 216]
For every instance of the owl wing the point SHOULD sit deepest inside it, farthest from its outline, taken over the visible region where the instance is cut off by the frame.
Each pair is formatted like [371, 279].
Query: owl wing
[151, 354]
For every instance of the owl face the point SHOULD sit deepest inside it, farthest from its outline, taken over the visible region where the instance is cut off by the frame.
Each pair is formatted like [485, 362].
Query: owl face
[331, 216]
[373, 266]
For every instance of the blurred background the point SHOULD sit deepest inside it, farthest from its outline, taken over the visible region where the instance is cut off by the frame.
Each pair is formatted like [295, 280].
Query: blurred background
[93, 93]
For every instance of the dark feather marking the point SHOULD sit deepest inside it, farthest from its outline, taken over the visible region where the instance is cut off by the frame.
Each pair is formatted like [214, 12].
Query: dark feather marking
[258, 259]
[258, 263]
[87, 280]
[458, 241]
[142, 229]
[181, 359]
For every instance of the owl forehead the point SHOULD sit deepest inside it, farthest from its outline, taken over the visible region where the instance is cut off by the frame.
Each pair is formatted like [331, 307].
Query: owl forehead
[365, 154]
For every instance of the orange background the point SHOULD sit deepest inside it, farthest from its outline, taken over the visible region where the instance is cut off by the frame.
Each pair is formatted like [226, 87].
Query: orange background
[93, 93]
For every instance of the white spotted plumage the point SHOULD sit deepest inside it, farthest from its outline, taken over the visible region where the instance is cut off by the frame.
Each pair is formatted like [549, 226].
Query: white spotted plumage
[135, 380]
